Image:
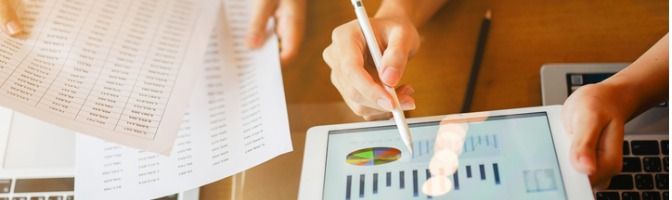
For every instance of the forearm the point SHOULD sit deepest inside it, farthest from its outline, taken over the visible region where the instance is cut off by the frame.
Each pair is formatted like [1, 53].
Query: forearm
[418, 11]
[644, 83]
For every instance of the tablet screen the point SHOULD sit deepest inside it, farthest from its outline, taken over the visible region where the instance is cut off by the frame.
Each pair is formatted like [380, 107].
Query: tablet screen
[497, 157]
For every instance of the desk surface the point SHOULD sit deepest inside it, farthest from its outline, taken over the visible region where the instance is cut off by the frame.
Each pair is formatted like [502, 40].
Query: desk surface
[524, 35]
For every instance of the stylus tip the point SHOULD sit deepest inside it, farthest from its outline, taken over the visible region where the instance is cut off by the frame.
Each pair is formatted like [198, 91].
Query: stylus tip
[409, 147]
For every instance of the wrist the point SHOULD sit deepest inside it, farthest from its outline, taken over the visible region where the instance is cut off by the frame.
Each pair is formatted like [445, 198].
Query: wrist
[644, 83]
[396, 9]
[417, 12]
[624, 95]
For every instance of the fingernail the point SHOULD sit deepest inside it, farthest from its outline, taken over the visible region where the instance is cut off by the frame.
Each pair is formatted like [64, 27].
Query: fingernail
[410, 90]
[13, 28]
[391, 76]
[385, 104]
[407, 105]
[406, 90]
[258, 39]
[252, 40]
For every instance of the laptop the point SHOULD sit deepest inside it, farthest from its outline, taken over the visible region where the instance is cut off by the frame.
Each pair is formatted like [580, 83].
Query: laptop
[645, 149]
[37, 160]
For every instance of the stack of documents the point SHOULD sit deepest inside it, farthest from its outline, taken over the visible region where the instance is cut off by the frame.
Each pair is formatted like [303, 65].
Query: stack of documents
[166, 103]
[117, 70]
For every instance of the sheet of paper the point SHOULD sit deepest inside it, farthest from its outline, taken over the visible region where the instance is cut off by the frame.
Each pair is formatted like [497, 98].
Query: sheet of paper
[114, 69]
[237, 119]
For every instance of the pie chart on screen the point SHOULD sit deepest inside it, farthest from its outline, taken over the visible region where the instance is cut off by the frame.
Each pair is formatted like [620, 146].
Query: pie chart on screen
[373, 156]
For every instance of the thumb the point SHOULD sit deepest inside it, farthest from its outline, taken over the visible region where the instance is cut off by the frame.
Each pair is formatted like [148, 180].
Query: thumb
[395, 58]
[609, 153]
[394, 64]
[587, 129]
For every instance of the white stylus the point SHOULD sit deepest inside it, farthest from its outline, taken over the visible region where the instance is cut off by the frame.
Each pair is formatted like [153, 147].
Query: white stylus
[377, 56]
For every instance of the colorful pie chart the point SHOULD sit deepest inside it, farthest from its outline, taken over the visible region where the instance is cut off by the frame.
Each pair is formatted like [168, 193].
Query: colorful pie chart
[373, 156]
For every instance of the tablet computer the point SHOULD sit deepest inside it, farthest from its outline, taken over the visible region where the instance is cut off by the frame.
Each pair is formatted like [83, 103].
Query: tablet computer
[507, 154]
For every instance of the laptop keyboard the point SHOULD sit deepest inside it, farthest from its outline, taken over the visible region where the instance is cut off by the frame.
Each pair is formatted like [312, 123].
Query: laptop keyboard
[37, 189]
[644, 175]
[44, 189]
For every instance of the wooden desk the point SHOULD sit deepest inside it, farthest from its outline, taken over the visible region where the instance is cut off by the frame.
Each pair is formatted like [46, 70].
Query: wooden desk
[524, 35]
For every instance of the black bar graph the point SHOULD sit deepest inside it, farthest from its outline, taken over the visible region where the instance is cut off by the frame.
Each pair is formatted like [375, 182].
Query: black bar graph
[474, 145]
[482, 169]
[481, 145]
[415, 183]
[375, 183]
[456, 181]
[422, 148]
[401, 179]
[417, 179]
[389, 179]
[348, 185]
[494, 142]
[427, 176]
[361, 186]
[495, 168]
[419, 145]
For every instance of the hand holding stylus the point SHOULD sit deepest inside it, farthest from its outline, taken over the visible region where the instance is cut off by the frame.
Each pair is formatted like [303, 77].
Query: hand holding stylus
[347, 54]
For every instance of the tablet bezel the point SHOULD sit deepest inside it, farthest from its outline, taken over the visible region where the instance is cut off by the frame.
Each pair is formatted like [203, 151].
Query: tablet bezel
[315, 153]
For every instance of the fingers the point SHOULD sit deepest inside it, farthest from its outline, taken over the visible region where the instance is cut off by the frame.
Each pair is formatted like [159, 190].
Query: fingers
[586, 127]
[609, 154]
[352, 98]
[404, 93]
[346, 58]
[597, 133]
[290, 16]
[8, 19]
[400, 45]
[290, 28]
[370, 114]
[350, 47]
[592, 118]
[262, 10]
[394, 64]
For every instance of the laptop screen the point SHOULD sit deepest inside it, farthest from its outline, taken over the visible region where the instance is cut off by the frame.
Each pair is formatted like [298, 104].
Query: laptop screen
[34, 144]
[576, 80]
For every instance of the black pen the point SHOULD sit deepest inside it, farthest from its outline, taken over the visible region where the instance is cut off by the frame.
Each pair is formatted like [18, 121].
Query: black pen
[476, 64]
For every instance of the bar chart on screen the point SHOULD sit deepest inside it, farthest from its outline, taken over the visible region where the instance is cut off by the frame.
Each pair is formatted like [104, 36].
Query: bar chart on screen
[474, 146]
[407, 182]
[374, 178]
[481, 145]
[510, 158]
